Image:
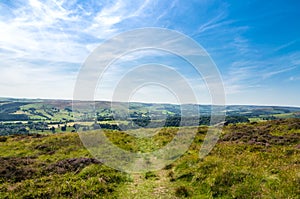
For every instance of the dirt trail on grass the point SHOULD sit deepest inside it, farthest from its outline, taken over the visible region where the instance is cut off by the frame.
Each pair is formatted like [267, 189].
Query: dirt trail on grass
[154, 187]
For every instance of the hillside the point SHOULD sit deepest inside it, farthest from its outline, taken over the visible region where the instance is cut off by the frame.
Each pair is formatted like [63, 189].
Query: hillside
[23, 116]
[251, 160]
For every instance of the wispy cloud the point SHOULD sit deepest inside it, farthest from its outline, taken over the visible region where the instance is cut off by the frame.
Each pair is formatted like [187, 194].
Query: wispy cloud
[103, 24]
[293, 78]
[245, 75]
[44, 42]
[269, 74]
[286, 45]
[215, 22]
[48, 40]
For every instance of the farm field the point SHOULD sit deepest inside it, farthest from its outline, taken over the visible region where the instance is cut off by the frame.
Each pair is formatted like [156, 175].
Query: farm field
[162, 99]
[20, 116]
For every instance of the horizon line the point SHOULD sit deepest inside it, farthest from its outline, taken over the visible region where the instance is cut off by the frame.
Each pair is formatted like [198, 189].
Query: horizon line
[142, 102]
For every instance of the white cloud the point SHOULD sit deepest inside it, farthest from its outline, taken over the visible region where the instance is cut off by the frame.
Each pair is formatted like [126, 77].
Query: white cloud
[244, 76]
[277, 71]
[286, 45]
[213, 23]
[42, 43]
[103, 24]
[31, 81]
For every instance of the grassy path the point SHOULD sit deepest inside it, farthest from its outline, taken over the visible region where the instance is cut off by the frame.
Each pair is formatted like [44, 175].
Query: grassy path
[158, 186]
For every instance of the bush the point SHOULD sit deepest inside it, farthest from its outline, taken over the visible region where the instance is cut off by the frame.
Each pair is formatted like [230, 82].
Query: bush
[169, 166]
[3, 139]
[149, 175]
[182, 191]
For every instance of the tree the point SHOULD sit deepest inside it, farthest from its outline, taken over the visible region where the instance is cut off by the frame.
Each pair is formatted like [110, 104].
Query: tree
[64, 128]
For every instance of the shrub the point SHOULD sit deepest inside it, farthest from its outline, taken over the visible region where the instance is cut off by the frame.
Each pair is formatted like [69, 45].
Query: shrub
[169, 166]
[182, 191]
[150, 174]
[3, 139]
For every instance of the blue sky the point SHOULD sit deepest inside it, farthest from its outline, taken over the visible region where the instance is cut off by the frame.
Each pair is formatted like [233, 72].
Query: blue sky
[255, 44]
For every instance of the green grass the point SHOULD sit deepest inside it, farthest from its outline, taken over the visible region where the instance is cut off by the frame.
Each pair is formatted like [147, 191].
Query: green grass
[44, 110]
[284, 115]
[256, 119]
[59, 166]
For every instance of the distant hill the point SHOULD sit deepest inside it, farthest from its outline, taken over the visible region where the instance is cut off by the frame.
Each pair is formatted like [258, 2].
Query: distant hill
[21, 116]
[48, 109]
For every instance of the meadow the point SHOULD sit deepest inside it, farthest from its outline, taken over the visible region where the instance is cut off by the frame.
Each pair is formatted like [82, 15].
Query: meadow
[250, 160]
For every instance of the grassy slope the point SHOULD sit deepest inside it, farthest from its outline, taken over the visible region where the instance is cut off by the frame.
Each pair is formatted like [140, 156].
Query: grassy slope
[250, 161]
